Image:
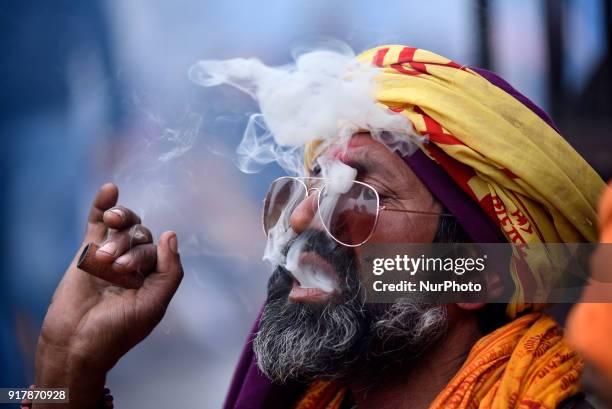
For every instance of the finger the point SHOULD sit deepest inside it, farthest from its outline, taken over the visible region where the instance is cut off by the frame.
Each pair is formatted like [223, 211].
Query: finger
[89, 267]
[162, 284]
[105, 199]
[119, 242]
[140, 259]
[120, 218]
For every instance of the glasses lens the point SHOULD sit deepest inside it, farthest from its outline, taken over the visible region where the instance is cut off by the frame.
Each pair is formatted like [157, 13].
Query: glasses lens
[282, 198]
[353, 218]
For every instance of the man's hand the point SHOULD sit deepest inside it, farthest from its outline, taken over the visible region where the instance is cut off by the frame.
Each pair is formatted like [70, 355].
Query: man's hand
[91, 322]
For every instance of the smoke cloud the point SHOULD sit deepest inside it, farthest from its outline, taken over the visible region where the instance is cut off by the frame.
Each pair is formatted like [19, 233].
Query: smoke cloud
[325, 95]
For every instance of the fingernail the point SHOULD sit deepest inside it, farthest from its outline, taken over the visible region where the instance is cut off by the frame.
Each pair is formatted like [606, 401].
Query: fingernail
[108, 248]
[124, 260]
[173, 244]
[116, 212]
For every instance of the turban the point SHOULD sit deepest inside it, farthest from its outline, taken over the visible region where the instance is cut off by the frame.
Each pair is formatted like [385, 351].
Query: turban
[516, 175]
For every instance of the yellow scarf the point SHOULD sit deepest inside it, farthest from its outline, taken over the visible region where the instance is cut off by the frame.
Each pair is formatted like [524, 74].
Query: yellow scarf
[524, 364]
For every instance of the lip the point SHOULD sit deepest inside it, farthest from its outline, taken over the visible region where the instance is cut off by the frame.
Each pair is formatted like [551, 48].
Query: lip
[301, 294]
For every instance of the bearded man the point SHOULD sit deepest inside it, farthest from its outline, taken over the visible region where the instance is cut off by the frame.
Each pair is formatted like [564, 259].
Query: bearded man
[494, 161]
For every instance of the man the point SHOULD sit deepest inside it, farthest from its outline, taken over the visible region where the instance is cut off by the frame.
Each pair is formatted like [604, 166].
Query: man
[494, 160]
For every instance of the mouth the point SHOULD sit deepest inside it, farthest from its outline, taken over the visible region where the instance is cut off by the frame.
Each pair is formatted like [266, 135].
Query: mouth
[314, 279]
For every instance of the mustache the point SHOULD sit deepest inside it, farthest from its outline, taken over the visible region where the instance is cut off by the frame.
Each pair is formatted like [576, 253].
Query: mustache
[320, 243]
[341, 258]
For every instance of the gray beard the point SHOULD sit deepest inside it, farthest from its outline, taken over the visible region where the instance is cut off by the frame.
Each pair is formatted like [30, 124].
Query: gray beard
[344, 337]
[338, 341]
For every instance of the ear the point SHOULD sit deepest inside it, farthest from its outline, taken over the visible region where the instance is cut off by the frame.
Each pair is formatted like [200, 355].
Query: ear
[470, 306]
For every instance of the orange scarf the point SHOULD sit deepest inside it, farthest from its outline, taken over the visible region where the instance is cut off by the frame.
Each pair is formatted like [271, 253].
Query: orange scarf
[524, 364]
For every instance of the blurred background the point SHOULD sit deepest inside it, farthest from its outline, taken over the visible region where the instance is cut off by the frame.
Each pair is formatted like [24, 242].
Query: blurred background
[96, 91]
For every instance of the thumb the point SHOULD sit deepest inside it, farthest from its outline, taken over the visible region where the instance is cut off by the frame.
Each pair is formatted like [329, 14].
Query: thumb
[162, 284]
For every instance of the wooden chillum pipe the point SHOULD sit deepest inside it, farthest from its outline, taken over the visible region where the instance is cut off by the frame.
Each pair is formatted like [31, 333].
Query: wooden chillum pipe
[89, 263]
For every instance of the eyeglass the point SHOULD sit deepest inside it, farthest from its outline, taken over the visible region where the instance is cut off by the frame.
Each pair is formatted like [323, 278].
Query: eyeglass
[349, 216]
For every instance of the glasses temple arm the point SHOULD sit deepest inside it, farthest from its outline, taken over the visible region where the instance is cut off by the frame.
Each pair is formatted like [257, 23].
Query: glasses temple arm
[381, 208]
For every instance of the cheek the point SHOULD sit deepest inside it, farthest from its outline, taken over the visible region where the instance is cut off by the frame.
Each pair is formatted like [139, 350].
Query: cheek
[405, 228]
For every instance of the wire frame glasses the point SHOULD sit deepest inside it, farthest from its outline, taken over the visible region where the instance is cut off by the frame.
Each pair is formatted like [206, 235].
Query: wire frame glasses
[349, 213]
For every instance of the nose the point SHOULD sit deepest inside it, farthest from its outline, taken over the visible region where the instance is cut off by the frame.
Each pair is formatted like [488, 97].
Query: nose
[304, 214]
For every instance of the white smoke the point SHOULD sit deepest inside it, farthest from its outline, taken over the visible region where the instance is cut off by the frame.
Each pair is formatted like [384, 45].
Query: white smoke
[339, 175]
[325, 94]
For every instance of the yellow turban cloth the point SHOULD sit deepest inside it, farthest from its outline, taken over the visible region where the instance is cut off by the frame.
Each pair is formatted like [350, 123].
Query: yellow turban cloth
[529, 181]
[523, 174]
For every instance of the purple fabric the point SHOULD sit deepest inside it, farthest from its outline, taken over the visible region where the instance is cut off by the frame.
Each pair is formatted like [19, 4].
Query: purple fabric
[250, 389]
[501, 83]
[474, 221]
